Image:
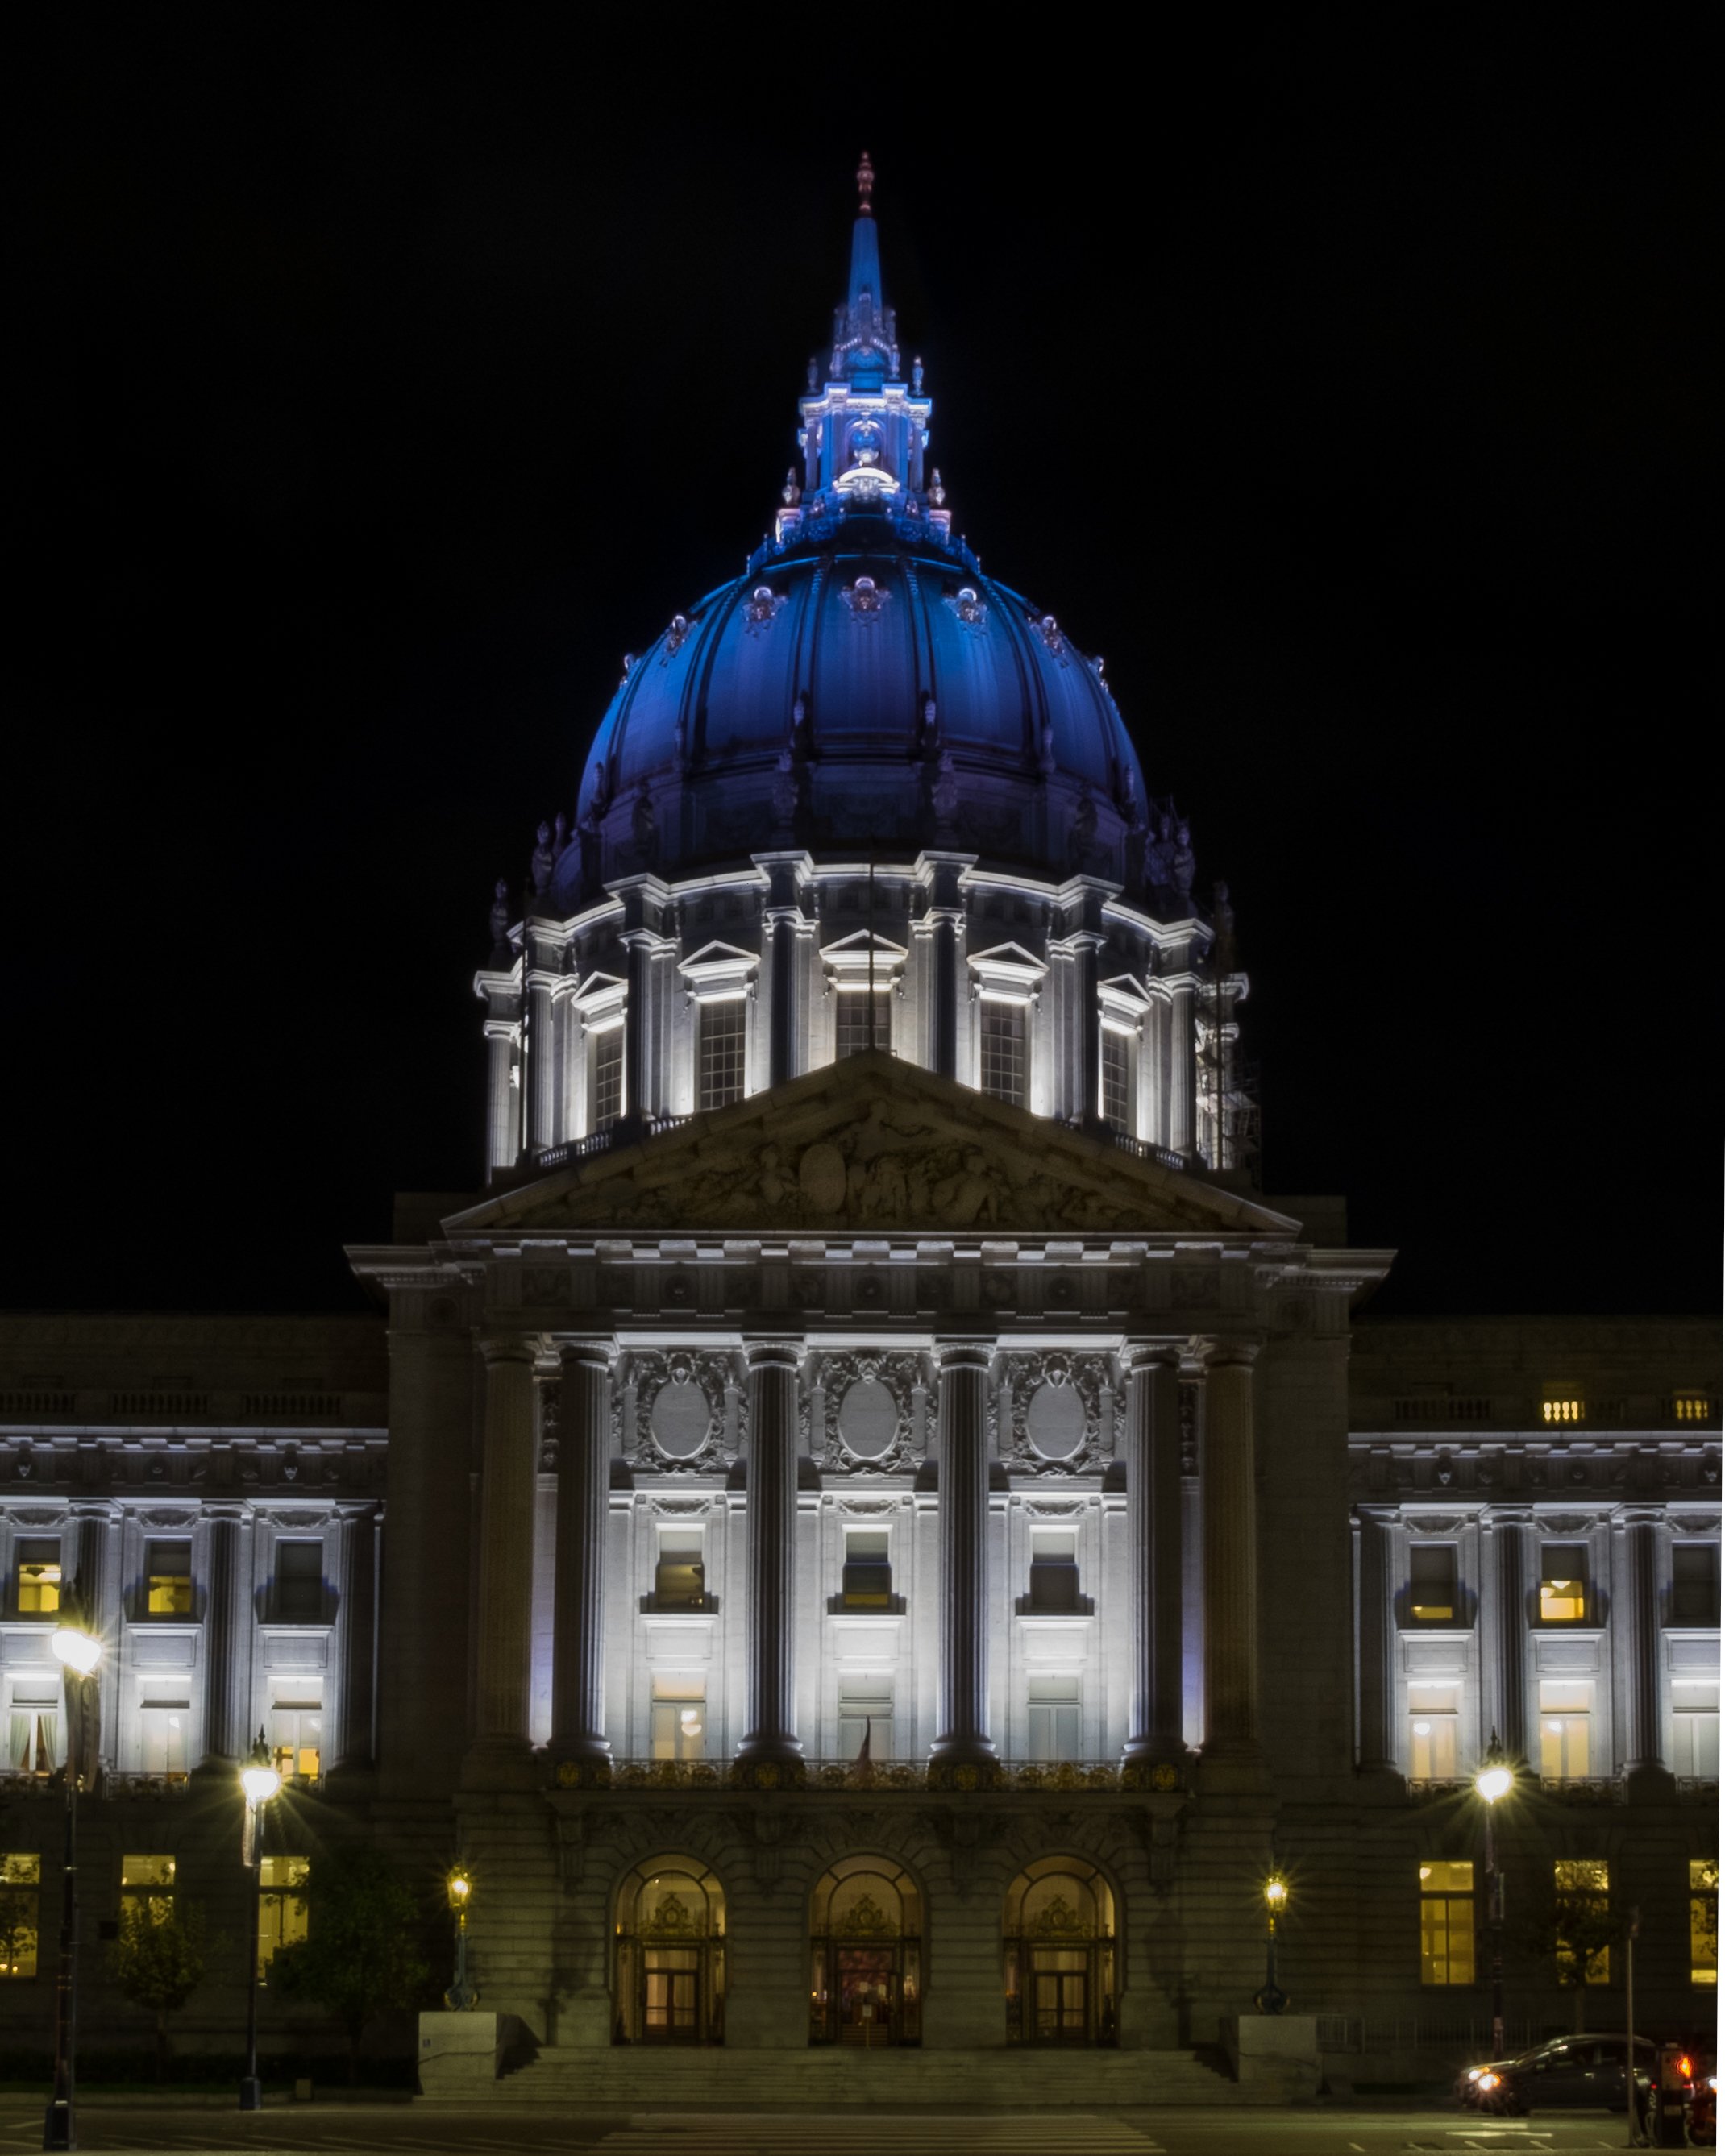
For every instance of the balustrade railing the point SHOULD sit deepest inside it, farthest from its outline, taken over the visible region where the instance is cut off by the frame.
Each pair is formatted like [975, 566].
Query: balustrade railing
[595, 1141]
[1063, 1775]
[1145, 1151]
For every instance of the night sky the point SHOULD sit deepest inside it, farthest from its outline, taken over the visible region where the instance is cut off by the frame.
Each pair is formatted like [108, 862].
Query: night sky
[380, 387]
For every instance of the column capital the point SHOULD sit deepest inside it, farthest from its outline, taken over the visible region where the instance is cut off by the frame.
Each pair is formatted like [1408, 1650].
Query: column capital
[964, 1354]
[776, 1352]
[506, 1348]
[586, 1354]
[1229, 1353]
[1153, 1354]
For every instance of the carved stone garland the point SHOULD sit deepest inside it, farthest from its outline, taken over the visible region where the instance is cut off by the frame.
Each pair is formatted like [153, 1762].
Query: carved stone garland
[881, 1426]
[1056, 1425]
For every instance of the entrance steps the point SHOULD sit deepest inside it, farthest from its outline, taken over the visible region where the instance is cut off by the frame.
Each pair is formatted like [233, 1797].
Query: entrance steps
[640, 2077]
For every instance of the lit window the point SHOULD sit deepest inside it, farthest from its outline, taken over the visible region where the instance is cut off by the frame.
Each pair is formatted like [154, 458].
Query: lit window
[167, 1579]
[1704, 1920]
[1431, 1582]
[34, 1729]
[1117, 1076]
[1695, 1728]
[1565, 1411]
[1565, 1730]
[1562, 1585]
[1002, 1050]
[163, 1725]
[1692, 1407]
[679, 1728]
[1053, 1570]
[1433, 1721]
[20, 1881]
[1446, 1923]
[38, 1578]
[868, 1572]
[1582, 1891]
[851, 1021]
[679, 1576]
[1055, 1728]
[281, 1906]
[1695, 1583]
[296, 1739]
[147, 1882]
[605, 1078]
[724, 1051]
[866, 1711]
[298, 1583]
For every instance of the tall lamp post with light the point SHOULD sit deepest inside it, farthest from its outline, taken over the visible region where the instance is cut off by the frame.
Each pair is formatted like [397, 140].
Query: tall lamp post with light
[260, 1782]
[461, 1994]
[78, 1652]
[1493, 1781]
[1272, 1999]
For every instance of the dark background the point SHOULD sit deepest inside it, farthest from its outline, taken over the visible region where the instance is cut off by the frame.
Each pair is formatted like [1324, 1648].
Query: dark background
[382, 386]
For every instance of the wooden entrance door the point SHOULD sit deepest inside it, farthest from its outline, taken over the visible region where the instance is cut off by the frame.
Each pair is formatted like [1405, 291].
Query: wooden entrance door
[671, 2010]
[1060, 1995]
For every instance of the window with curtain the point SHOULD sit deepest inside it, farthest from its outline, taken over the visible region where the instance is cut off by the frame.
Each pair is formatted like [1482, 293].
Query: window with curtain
[33, 1729]
[1566, 1724]
[165, 1729]
[1562, 1583]
[679, 1718]
[865, 1709]
[1056, 1728]
[1433, 1719]
[1447, 1917]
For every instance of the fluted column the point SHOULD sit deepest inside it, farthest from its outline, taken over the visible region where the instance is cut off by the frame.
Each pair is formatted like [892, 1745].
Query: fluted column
[577, 1699]
[502, 1123]
[1152, 1546]
[1230, 1556]
[773, 1367]
[963, 1440]
[350, 1738]
[945, 1059]
[1182, 1123]
[506, 1599]
[227, 1638]
[1377, 1750]
[1643, 1751]
[1509, 1531]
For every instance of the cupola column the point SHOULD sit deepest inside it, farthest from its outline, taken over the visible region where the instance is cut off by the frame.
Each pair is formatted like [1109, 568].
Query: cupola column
[578, 1707]
[1230, 1556]
[771, 1520]
[506, 1593]
[964, 1608]
[1152, 1543]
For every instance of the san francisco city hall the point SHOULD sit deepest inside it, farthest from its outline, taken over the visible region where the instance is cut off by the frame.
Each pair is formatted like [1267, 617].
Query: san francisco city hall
[871, 1535]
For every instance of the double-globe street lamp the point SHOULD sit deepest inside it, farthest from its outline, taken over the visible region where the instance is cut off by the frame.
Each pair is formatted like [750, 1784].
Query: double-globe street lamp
[1493, 1781]
[79, 1651]
[260, 1782]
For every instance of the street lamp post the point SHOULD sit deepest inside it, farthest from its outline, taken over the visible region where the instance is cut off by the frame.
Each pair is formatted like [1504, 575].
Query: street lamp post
[1272, 1999]
[260, 1782]
[1493, 1781]
[461, 1994]
[78, 1652]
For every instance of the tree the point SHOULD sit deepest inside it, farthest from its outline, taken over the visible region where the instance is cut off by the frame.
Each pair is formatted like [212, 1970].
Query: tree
[1577, 1929]
[158, 1959]
[18, 1917]
[361, 1954]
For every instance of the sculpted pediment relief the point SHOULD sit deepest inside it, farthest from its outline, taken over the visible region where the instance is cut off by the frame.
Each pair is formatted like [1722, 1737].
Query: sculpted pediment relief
[875, 1143]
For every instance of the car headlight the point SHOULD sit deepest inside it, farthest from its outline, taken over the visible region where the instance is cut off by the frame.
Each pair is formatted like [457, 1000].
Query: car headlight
[1474, 2073]
[1489, 2081]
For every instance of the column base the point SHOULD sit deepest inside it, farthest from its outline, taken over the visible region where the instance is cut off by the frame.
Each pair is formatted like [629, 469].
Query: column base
[501, 1763]
[963, 1762]
[1145, 1764]
[766, 1765]
[1650, 1783]
[581, 1765]
[1234, 1770]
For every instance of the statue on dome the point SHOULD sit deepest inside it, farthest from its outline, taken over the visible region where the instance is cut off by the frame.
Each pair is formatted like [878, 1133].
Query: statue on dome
[644, 826]
[1159, 852]
[544, 860]
[1184, 865]
[501, 956]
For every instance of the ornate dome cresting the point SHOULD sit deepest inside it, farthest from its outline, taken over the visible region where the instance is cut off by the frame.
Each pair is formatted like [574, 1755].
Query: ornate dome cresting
[862, 683]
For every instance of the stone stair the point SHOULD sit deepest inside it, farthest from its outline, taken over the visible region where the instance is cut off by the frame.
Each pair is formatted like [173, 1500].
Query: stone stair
[636, 2079]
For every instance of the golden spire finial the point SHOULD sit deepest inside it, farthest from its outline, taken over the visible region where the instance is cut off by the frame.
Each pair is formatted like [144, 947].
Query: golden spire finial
[865, 185]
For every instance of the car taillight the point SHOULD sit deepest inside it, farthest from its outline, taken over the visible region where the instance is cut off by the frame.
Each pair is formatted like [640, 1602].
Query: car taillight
[1687, 2068]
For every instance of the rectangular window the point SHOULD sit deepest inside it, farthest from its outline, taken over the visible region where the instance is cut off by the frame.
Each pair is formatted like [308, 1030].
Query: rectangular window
[296, 1739]
[1434, 1718]
[33, 1728]
[167, 1579]
[164, 1727]
[1053, 1570]
[281, 1906]
[1582, 1886]
[605, 1078]
[20, 1884]
[1001, 1061]
[38, 1578]
[1562, 1583]
[1695, 1583]
[1565, 1730]
[298, 1583]
[1703, 1921]
[1695, 1728]
[679, 1576]
[149, 1881]
[1446, 1923]
[850, 1021]
[1568, 1408]
[868, 1572]
[1117, 1079]
[866, 1711]
[1692, 1407]
[1431, 1582]
[1054, 1722]
[679, 1728]
[724, 1051]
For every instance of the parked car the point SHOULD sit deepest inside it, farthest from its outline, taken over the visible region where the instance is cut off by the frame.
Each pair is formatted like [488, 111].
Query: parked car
[1584, 2072]
[1700, 2117]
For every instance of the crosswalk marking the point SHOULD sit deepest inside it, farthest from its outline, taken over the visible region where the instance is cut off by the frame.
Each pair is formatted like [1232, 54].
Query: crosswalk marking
[914, 2133]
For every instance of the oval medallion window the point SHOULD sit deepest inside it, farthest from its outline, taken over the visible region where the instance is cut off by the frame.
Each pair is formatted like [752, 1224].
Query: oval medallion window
[681, 1419]
[868, 1418]
[1053, 1421]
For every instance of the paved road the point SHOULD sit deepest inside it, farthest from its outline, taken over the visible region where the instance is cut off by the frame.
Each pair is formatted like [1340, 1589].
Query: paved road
[380, 2129]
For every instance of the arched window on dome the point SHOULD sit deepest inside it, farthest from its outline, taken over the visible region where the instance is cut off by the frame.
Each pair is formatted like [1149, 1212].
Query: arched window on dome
[1059, 1938]
[865, 1955]
[668, 1976]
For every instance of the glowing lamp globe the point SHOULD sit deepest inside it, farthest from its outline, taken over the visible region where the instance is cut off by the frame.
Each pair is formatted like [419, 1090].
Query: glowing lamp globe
[259, 1780]
[1494, 1781]
[78, 1650]
[1276, 1893]
[460, 1886]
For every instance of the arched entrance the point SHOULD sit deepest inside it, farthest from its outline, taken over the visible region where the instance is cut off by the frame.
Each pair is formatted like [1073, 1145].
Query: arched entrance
[1059, 1954]
[865, 1955]
[670, 1973]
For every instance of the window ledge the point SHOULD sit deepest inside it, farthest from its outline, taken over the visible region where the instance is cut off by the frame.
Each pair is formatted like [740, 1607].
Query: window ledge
[837, 1606]
[682, 1605]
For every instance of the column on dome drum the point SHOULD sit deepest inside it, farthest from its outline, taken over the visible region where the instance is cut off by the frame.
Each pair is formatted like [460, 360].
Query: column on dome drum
[1152, 1515]
[772, 1517]
[963, 1500]
[1230, 1556]
[505, 1597]
[577, 1712]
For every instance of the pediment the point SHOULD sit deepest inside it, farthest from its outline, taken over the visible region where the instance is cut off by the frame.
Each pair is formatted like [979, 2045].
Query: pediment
[873, 1145]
